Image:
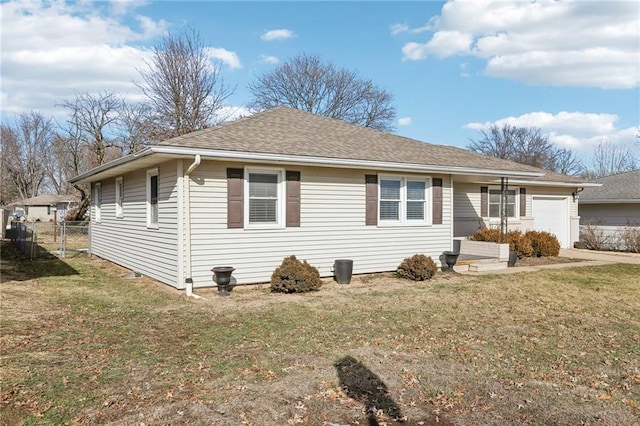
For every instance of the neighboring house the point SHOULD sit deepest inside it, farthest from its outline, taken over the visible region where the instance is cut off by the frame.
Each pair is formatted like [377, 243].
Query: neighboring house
[43, 207]
[607, 211]
[250, 192]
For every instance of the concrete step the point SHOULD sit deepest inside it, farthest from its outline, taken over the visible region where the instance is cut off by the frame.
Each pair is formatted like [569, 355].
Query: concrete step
[480, 267]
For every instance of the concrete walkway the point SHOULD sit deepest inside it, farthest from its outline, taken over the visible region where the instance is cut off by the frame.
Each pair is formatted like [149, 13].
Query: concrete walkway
[591, 258]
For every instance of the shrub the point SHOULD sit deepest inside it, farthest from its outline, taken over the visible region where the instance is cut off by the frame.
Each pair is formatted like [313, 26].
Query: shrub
[630, 237]
[417, 268]
[594, 236]
[491, 235]
[543, 243]
[517, 241]
[294, 276]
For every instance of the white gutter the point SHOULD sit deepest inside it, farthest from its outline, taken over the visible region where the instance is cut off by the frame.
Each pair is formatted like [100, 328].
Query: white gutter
[547, 183]
[187, 226]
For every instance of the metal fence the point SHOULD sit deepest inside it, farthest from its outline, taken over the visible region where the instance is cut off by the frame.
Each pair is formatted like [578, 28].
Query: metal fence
[39, 240]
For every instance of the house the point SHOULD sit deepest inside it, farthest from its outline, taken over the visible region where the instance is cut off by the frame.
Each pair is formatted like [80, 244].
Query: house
[250, 192]
[608, 209]
[42, 208]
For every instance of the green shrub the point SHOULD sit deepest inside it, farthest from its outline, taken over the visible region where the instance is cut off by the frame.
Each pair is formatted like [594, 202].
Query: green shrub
[417, 268]
[543, 243]
[294, 276]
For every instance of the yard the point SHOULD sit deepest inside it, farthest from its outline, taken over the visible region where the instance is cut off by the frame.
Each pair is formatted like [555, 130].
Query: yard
[82, 345]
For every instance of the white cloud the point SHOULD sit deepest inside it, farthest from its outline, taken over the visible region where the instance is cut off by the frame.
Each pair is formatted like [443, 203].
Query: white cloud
[575, 130]
[53, 50]
[277, 35]
[227, 57]
[269, 59]
[404, 121]
[562, 43]
[232, 113]
[398, 28]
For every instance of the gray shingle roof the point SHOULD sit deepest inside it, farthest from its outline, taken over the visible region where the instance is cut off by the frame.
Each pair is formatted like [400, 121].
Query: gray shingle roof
[47, 200]
[623, 186]
[287, 131]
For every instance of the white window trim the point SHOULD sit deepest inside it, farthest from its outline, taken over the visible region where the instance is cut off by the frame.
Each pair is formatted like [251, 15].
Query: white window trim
[516, 207]
[150, 223]
[119, 198]
[280, 204]
[428, 201]
[97, 201]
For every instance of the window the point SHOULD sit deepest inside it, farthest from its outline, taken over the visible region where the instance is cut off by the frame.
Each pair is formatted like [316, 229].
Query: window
[119, 197]
[152, 198]
[97, 200]
[494, 203]
[264, 205]
[404, 200]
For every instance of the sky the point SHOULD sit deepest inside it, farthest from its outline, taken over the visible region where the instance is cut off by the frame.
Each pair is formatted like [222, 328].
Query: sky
[571, 68]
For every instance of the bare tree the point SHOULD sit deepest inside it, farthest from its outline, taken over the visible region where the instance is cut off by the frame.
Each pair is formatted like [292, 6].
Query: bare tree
[610, 159]
[525, 145]
[185, 89]
[25, 147]
[136, 127]
[307, 83]
[93, 119]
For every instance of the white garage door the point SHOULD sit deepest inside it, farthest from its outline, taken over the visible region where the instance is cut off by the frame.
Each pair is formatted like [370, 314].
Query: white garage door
[552, 215]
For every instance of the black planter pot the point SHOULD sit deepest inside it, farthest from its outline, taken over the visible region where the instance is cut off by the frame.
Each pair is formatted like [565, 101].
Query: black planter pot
[450, 258]
[513, 258]
[223, 279]
[343, 268]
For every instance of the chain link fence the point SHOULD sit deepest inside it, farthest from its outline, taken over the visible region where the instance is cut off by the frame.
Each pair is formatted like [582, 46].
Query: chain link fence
[38, 240]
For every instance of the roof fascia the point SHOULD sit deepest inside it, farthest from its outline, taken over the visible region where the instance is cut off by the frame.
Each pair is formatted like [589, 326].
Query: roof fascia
[209, 154]
[547, 183]
[336, 162]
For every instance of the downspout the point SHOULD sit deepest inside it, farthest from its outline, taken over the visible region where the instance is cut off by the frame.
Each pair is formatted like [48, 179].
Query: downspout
[187, 225]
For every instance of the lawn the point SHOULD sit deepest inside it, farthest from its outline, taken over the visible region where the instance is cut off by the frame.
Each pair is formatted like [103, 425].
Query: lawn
[82, 345]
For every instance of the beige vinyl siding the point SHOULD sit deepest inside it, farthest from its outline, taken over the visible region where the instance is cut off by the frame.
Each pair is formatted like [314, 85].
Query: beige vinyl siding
[610, 214]
[332, 226]
[127, 241]
[466, 210]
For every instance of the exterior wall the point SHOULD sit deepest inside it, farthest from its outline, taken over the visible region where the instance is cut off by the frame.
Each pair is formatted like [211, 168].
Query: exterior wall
[467, 218]
[127, 241]
[332, 226]
[610, 214]
[39, 213]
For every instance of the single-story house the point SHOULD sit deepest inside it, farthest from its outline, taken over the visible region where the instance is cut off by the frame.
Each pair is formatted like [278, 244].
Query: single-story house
[42, 208]
[609, 212]
[281, 182]
[615, 203]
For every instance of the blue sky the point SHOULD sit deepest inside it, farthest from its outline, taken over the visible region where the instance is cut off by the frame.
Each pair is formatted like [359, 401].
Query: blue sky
[570, 68]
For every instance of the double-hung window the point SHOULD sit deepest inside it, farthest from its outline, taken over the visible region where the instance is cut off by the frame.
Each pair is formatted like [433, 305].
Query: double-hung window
[97, 201]
[152, 198]
[264, 204]
[495, 204]
[119, 197]
[404, 200]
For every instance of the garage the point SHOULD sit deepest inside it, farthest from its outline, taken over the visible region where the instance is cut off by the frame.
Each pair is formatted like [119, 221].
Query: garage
[551, 214]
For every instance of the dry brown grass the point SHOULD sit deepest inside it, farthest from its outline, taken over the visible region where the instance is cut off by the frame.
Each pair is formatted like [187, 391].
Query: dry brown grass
[553, 347]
